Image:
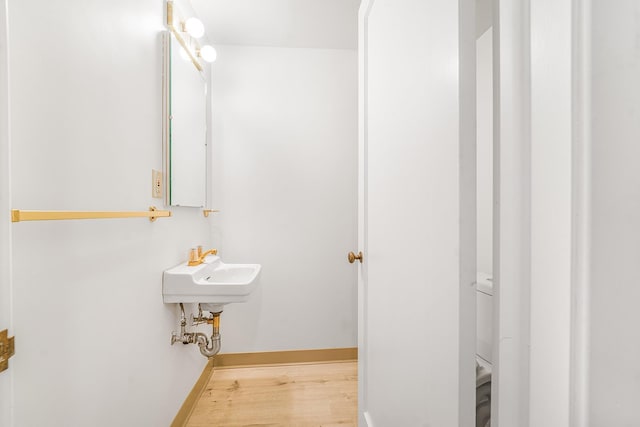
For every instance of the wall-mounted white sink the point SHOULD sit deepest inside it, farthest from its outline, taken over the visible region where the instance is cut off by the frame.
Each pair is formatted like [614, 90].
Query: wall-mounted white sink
[212, 283]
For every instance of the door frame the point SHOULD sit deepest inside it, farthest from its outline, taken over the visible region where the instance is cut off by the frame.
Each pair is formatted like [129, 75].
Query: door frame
[6, 377]
[581, 214]
[541, 128]
[363, 14]
[512, 222]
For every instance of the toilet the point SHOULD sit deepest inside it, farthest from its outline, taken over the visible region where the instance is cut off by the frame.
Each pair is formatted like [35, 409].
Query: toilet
[484, 347]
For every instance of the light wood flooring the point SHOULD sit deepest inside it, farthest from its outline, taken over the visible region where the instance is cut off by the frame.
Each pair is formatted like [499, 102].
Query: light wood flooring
[302, 395]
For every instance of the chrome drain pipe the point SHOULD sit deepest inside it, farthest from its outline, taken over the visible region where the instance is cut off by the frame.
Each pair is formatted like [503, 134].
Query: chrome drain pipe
[209, 347]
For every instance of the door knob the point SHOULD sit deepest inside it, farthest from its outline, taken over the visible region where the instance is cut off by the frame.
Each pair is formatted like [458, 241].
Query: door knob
[353, 257]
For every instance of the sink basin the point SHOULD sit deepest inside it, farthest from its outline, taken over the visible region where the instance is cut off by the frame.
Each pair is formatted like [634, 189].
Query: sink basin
[212, 283]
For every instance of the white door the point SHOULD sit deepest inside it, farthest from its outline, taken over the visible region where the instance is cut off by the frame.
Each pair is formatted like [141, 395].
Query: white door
[5, 225]
[417, 213]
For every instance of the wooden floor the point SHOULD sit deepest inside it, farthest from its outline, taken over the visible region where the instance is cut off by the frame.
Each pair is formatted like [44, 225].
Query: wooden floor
[323, 394]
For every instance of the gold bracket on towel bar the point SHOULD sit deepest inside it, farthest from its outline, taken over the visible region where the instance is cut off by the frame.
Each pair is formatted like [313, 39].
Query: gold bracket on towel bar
[7, 349]
[206, 212]
[18, 215]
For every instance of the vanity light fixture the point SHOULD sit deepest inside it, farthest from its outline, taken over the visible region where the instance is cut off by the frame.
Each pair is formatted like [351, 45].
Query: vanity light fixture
[186, 32]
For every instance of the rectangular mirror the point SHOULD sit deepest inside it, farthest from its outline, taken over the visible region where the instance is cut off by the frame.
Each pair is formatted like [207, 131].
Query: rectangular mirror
[185, 128]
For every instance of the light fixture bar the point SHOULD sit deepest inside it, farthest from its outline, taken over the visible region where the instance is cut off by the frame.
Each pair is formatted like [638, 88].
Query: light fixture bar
[179, 37]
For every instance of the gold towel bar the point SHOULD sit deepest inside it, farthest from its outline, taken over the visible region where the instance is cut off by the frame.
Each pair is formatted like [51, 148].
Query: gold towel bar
[18, 215]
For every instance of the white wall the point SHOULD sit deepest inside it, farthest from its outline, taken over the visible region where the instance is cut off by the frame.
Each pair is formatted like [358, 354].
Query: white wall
[615, 268]
[285, 180]
[484, 151]
[92, 333]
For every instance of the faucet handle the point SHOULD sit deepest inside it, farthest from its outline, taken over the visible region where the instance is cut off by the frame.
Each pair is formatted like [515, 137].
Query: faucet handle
[199, 251]
[193, 256]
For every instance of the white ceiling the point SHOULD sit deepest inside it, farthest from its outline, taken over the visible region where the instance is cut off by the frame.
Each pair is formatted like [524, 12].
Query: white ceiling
[329, 24]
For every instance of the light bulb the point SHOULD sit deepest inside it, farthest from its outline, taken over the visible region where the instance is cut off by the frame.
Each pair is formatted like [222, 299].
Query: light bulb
[208, 53]
[194, 27]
